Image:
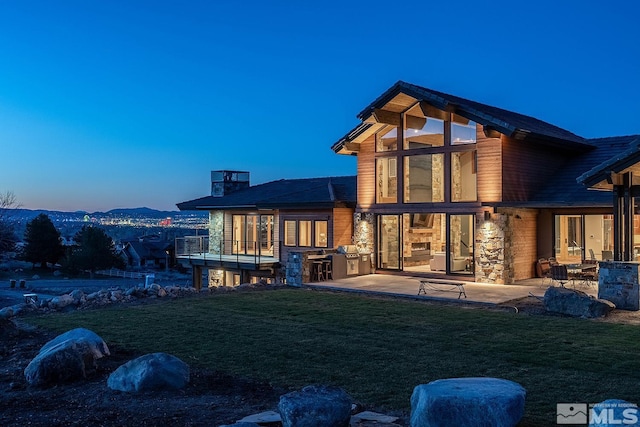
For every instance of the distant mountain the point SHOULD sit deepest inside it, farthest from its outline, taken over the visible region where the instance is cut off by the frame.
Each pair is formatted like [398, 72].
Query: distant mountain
[139, 211]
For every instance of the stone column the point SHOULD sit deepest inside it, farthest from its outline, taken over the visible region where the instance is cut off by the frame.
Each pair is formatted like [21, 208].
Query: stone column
[618, 282]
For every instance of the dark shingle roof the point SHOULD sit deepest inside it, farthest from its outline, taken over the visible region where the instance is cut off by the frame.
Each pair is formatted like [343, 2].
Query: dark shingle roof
[507, 122]
[564, 189]
[325, 192]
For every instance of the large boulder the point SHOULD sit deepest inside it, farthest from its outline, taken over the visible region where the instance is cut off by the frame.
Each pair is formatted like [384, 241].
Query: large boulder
[156, 371]
[315, 405]
[463, 402]
[614, 412]
[575, 303]
[61, 302]
[66, 358]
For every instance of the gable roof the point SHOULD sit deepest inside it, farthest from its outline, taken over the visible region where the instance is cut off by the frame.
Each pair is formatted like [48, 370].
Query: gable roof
[325, 192]
[627, 160]
[563, 189]
[515, 125]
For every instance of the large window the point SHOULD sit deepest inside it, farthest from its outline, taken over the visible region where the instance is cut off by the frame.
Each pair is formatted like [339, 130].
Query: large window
[304, 233]
[579, 237]
[289, 233]
[461, 237]
[421, 132]
[321, 234]
[463, 131]
[423, 178]
[387, 179]
[463, 176]
[387, 140]
[252, 234]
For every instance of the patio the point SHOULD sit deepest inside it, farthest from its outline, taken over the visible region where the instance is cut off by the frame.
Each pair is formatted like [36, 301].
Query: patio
[407, 286]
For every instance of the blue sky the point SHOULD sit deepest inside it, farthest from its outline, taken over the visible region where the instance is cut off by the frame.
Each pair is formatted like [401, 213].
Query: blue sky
[107, 104]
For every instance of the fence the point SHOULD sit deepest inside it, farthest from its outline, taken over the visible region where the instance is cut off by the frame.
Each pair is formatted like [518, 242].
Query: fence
[124, 274]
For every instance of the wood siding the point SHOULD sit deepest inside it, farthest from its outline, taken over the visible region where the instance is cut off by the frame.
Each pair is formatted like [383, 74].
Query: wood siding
[342, 227]
[366, 174]
[521, 239]
[489, 167]
[525, 167]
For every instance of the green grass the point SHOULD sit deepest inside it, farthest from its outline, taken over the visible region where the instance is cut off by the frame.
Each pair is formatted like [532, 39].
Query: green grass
[378, 349]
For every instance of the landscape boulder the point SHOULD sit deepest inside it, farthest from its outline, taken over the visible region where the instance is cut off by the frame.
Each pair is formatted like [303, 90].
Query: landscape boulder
[575, 303]
[156, 371]
[66, 358]
[614, 412]
[62, 301]
[315, 405]
[466, 402]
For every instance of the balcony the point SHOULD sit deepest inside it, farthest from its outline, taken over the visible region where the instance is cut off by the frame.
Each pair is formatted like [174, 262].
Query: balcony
[247, 255]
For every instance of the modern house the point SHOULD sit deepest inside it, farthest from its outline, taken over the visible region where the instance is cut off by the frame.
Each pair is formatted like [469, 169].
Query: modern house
[253, 228]
[451, 187]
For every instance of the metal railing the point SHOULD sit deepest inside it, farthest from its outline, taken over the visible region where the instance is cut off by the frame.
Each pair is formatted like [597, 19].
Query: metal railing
[198, 247]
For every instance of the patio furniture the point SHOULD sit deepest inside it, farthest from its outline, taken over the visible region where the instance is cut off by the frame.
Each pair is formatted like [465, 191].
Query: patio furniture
[441, 286]
[607, 255]
[543, 269]
[318, 271]
[560, 274]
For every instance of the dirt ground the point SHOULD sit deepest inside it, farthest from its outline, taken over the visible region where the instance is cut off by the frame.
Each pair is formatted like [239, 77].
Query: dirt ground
[211, 398]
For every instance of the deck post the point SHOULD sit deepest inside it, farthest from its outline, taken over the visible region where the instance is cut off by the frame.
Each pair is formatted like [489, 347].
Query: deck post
[196, 277]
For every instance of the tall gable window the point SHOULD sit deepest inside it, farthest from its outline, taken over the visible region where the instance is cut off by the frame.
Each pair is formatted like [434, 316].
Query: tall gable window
[463, 131]
[387, 179]
[387, 140]
[463, 176]
[424, 176]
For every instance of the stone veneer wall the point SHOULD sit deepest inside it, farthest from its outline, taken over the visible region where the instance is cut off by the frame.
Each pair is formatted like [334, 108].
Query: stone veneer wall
[216, 278]
[216, 231]
[618, 282]
[506, 246]
[363, 232]
[297, 271]
[490, 249]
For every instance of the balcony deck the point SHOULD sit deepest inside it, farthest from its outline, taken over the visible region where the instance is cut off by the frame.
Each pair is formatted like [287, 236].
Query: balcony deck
[245, 262]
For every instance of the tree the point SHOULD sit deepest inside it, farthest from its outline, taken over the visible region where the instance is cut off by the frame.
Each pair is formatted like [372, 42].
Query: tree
[95, 250]
[42, 241]
[8, 238]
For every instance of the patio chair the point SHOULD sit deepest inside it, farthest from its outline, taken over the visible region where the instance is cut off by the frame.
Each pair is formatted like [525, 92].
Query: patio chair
[560, 274]
[589, 277]
[607, 255]
[592, 255]
[543, 269]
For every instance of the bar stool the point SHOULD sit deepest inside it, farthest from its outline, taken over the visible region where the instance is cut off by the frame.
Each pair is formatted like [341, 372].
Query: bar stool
[328, 272]
[318, 271]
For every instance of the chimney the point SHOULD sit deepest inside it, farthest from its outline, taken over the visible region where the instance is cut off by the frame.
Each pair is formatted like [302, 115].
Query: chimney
[227, 182]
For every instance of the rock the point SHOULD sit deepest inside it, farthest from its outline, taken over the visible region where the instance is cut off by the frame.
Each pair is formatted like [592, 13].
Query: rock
[6, 313]
[162, 293]
[57, 273]
[315, 405]
[372, 416]
[263, 417]
[61, 301]
[241, 424]
[78, 296]
[575, 303]
[463, 402]
[35, 277]
[154, 371]
[614, 412]
[66, 358]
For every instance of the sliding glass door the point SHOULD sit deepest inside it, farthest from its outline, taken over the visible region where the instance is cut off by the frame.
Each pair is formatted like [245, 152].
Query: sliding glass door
[389, 227]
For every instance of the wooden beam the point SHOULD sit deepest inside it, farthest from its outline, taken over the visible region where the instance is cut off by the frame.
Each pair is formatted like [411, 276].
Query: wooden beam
[490, 132]
[387, 117]
[352, 146]
[431, 111]
[414, 122]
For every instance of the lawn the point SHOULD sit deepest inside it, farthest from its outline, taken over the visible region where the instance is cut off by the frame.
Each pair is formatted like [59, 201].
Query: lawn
[378, 349]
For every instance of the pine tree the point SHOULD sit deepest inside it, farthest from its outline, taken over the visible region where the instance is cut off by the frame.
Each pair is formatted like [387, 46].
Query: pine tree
[95, 250]
[42, 241]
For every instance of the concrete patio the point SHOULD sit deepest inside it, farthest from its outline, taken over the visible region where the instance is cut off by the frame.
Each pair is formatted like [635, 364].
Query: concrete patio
[407, 286]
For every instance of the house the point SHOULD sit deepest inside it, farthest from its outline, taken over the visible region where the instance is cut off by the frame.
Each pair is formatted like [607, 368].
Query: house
[147, 252]
[447, 186]
[253, 228]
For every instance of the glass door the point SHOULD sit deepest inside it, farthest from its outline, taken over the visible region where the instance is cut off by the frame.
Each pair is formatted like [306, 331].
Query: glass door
[569, 239]
[461, 243]
[389, 227]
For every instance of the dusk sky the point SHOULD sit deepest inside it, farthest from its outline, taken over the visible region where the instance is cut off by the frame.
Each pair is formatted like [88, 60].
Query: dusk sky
[107, 104]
